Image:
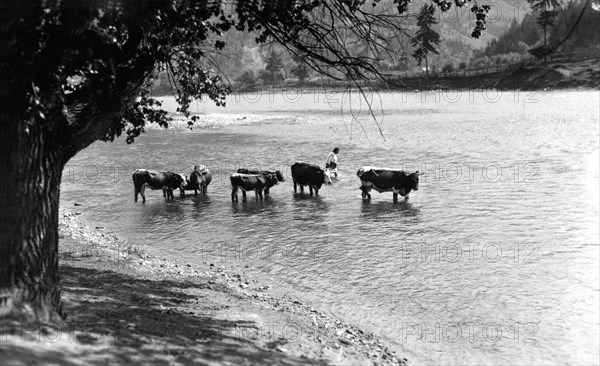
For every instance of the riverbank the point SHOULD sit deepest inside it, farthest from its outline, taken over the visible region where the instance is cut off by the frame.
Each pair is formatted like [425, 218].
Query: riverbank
[126, 307]
[564, 75]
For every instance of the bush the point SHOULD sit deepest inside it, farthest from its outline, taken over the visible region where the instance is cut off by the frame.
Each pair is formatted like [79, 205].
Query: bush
[247, 81]
[462, 65]
[481, 63]
[270, 78]
[448, 68]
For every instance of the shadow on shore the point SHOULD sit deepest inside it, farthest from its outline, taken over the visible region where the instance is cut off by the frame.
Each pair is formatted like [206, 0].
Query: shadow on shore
[121, 319]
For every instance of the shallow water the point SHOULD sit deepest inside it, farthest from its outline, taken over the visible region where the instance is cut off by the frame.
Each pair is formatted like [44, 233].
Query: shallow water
[494, 260]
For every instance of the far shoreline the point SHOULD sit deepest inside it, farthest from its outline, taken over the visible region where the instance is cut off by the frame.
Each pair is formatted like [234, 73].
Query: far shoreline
[578, 75]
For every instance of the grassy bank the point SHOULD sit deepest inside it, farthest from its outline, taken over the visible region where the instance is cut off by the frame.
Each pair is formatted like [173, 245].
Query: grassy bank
[128, 308]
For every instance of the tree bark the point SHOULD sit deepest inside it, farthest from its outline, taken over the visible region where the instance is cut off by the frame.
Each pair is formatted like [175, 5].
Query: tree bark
[29, 197]
[33, 153]
[30, 174]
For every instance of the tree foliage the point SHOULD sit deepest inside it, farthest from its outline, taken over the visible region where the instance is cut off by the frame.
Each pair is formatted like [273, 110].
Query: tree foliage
[273, 71]
[301, 70]
[426, 38]
[547, 12]
[247, 81]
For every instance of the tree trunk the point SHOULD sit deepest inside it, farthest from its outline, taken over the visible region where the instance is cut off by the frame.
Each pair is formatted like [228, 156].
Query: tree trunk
[29, 196]
[545, 46]
[31, 163]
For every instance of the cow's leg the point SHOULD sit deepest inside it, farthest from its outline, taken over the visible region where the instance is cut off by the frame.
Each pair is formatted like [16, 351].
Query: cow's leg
[143, 193]
[295, 187]
[302, 189]
[316, 191]
[136, 191]
[243, 195]
[170, 193]
[395, 197]
[181, 192]
[310, 189]
[267, 192]
[365, 192]
[204, 190]
[234, 196]
[195, 192]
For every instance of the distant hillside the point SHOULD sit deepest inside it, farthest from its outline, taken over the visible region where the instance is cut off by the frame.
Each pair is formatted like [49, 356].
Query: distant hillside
[242, 55]
[526, 34]
[455, 26]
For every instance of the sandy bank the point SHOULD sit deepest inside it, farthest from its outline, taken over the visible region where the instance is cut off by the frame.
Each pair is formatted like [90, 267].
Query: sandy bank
[126, 307]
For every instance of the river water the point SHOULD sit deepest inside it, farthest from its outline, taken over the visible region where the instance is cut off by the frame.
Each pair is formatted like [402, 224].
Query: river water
[494, 260]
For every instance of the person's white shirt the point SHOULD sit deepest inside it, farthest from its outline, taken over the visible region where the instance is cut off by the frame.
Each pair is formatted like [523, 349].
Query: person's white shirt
[332, 158]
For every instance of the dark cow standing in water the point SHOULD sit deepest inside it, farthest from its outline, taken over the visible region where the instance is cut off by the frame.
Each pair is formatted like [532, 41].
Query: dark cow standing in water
[167, 181]
[276, 173]
[387, 180]
[198, 181]
[310, 175]
[251, 182]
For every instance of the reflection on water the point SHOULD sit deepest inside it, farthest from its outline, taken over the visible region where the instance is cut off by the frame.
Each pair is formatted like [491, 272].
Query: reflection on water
[387, 210]
[266, 207]
[503, 229]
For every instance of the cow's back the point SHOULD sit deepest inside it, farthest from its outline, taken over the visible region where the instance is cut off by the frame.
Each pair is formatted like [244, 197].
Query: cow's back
[141, 176]
[307, 174]
[300, 172]
[381, 178]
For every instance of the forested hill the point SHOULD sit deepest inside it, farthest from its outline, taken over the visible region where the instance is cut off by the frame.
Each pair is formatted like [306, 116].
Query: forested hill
[455, 28]
[511, 31]
[527, 34]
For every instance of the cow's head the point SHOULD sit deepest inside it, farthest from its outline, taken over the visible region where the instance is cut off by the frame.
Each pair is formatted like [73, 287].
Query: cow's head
[327, 176]
[181, 180]
[414, 180]
[195, 178]
[279, 176]
[271, 179]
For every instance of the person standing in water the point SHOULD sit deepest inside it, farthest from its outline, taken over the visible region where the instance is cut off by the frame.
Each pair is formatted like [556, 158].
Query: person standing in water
[331, 161]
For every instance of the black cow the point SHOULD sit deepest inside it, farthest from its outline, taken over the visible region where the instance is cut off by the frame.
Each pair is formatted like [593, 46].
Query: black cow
[167, 181]
[251, 182]
[310, 175]
[387, 180]
[276, 173]
[199, 180]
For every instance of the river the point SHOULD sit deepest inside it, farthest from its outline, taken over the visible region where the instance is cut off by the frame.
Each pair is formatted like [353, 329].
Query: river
[494, 260]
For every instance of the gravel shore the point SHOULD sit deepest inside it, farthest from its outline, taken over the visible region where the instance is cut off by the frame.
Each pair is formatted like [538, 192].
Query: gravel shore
[126, 307]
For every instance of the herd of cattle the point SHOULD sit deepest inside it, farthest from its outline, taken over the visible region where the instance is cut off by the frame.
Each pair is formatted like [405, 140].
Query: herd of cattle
[261, 181]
